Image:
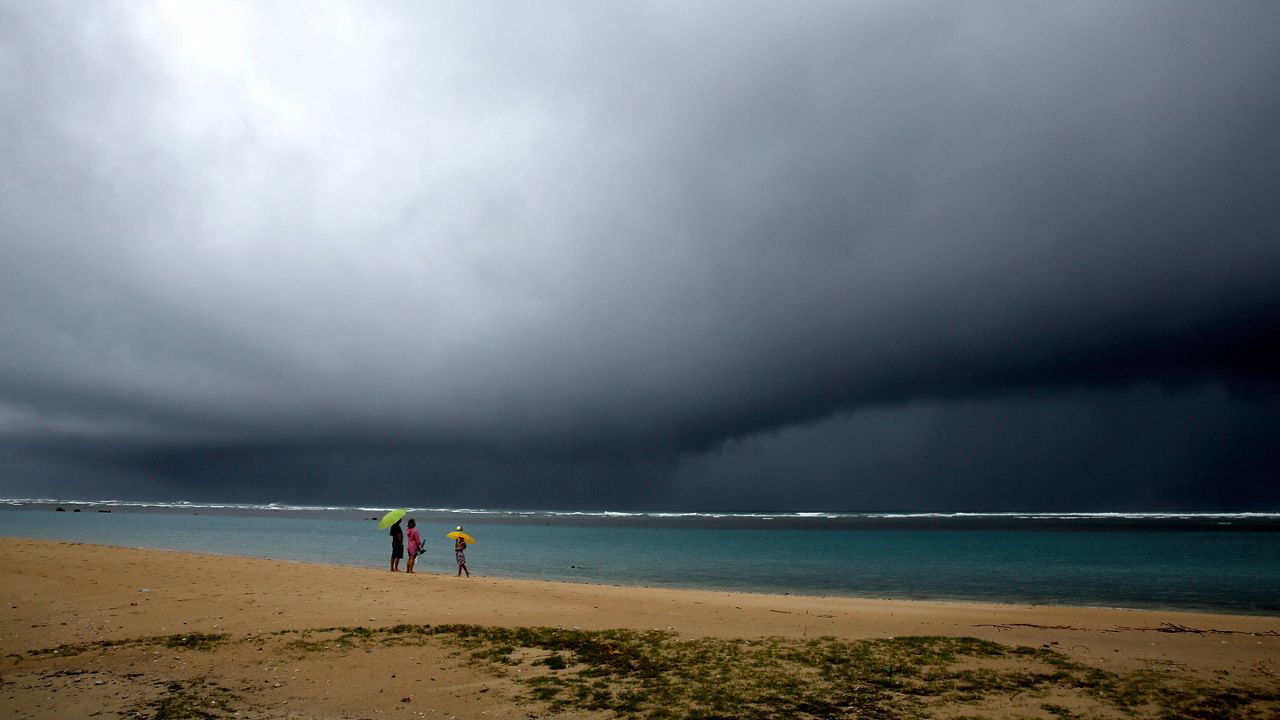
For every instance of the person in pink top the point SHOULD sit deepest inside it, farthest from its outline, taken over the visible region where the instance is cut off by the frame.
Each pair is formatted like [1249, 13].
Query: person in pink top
[414, 541]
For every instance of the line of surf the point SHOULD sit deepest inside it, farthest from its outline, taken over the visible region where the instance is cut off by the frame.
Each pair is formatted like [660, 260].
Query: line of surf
[646, 514]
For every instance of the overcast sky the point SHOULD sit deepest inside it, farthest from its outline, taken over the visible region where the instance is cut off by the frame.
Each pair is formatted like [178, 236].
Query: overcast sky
[861, 256]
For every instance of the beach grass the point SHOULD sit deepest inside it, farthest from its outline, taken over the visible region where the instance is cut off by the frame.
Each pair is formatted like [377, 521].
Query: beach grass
[202, 700]
[665, 676]
[660, 675]
[188, 641]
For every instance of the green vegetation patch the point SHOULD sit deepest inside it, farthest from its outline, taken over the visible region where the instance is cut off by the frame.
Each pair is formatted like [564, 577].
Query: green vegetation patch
[198, 700]
[72, 649]
[194, 641]
[662, 675]
[189, 641]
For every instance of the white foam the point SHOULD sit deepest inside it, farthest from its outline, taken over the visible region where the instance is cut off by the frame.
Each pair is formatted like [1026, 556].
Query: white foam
[657, 514]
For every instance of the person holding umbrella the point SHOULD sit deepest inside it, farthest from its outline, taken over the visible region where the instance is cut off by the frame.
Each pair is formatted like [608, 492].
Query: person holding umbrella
[460, 539]
[397, 546]
[392, 520]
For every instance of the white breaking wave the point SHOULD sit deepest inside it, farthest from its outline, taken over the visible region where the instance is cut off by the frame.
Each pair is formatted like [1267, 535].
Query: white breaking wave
[650, 514]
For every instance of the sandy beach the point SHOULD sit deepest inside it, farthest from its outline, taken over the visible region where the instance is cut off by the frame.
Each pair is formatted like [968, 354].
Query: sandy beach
[117, 632]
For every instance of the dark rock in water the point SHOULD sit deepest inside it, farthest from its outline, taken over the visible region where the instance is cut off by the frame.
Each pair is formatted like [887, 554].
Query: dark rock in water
[76, 510]
[104, 511]
[60, 510]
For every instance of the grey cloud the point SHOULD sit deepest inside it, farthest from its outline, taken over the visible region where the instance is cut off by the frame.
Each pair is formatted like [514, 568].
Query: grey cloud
[623, 232]
[1141, 448]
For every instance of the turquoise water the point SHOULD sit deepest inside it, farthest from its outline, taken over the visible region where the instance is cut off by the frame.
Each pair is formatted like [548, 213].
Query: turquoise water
[1154, 563]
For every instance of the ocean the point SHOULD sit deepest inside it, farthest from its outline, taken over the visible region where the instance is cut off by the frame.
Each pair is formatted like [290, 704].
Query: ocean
[1220, 562]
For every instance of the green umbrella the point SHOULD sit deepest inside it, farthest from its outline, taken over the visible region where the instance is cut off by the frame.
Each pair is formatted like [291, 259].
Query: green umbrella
[390, 518]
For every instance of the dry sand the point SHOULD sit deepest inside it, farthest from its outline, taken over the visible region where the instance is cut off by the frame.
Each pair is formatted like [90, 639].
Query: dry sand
[61, 594]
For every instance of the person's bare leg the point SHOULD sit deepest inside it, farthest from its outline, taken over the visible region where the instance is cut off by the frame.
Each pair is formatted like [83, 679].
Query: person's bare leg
[409, 563]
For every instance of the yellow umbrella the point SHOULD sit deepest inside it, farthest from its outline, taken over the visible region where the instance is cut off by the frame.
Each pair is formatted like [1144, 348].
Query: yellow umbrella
[390, 518]
[459, 534]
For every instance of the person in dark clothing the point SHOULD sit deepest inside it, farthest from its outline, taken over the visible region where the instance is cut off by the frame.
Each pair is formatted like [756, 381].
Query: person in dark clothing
[397, 546]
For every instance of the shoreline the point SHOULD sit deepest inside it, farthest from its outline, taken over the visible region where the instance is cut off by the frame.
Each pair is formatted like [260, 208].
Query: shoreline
[109, 571]
[693, 588]
[121, 616]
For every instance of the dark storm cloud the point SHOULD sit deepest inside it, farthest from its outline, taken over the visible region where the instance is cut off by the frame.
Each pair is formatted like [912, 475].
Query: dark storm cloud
[617, 233]
[1140, 448]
